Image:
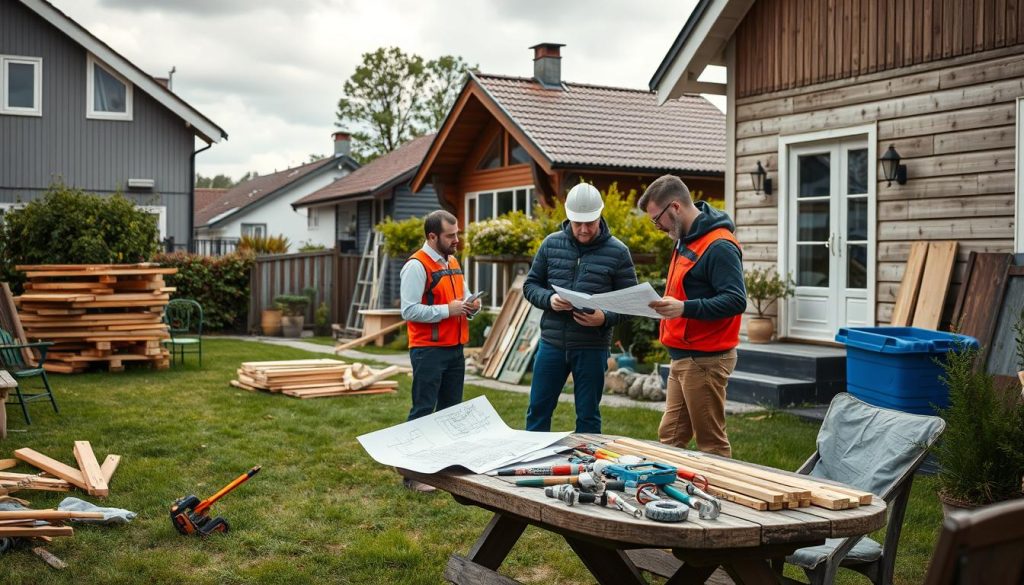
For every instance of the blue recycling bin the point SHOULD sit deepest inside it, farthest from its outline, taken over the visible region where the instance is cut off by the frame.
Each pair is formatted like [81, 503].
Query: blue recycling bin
[895, 367]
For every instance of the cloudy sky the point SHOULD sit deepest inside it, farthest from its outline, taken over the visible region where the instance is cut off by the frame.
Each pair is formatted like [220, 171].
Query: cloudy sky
[270, 72]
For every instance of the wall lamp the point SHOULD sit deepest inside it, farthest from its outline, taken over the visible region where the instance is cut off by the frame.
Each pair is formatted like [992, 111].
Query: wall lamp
[891, 167]
[761, 181]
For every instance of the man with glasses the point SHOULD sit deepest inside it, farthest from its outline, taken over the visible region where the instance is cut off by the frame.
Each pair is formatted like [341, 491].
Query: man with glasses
[702, 308]
[582, 256]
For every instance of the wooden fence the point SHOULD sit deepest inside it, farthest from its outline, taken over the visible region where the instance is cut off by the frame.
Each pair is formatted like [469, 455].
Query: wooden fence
[331, 273]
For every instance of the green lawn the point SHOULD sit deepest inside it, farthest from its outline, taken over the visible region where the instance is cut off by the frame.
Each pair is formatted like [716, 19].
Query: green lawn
[321, 511]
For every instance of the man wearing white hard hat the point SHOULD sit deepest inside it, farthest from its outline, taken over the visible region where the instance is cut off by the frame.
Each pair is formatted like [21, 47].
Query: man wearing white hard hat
[582, 256]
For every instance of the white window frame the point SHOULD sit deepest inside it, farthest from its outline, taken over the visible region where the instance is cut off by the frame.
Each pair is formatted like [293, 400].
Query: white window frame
[37, 62]
[160, 211]
[472, 267]
[257, 230]
[312, 219]
[1018, 205]
[90, 76]
[5, 207]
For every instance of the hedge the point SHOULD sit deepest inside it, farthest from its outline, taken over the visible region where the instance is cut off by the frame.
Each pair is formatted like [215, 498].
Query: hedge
[219, 284]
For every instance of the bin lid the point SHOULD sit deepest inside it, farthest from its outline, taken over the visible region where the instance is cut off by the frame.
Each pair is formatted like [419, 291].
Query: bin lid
[902, 339]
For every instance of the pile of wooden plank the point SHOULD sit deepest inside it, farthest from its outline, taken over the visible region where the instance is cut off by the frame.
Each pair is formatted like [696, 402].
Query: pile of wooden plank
[317, 378]
[89, 476]
[96, 313]
[929, 270]
[513, 339]
[26, 523]
[748, 485]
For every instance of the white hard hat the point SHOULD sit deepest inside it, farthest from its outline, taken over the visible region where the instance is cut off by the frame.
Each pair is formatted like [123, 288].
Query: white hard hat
[583, 204]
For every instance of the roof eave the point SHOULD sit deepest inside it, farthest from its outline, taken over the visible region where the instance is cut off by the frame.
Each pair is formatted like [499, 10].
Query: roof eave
[269, 196]
[638, 169]
[197, 122]
[403, 177]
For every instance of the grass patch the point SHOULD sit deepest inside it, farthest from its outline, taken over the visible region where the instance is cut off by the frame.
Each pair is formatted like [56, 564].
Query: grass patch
[321, 511]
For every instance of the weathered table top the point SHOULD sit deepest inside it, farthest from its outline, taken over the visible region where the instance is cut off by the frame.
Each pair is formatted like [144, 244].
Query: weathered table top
[736, 527]
[7, 380]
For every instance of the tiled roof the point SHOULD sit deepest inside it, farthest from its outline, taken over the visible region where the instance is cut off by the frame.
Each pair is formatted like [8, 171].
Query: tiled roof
[204, 198]
[587, 125]
[379, 173]
[251, 191]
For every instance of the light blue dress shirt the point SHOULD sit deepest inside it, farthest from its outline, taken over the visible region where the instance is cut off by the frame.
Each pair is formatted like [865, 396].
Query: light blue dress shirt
[414, 280]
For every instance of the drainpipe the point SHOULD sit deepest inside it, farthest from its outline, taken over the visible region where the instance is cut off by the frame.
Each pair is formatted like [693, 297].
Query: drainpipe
[192, 195]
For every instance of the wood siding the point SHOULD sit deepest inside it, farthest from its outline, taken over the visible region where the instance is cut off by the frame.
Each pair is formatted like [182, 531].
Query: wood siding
[954, 125]
[784, 44]
[95, 155]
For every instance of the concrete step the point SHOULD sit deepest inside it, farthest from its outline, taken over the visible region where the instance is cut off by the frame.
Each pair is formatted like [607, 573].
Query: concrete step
[772, 391]
[793, 360]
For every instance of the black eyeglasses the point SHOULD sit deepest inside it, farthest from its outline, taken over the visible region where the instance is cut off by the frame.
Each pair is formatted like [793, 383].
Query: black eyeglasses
[657, 218]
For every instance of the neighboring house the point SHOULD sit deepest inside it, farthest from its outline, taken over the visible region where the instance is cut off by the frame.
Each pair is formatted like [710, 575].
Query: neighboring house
[205, 196]
[512, 143]
[73, 110]
[262, 206]
[817, 93]
[364, 198]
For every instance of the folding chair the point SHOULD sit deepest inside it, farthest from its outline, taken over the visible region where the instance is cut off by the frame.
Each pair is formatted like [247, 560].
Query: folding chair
[872, 449]
[980, 547]
[184, 318]
[13, 360]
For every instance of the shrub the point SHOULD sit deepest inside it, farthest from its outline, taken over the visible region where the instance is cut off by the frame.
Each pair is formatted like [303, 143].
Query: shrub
[261, 245]
[478, 325]
[309, 246]
[512, 234]
[70, 226]
[402, 238]
[322, 320]
[292, 305]
[219, 284]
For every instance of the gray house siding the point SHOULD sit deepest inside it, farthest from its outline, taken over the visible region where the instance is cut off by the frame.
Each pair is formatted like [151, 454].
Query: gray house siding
[95, 155]
[403, 205]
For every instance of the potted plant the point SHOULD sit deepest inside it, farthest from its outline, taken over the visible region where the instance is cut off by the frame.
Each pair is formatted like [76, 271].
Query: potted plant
[764, 287]
[981, 454]
[322, 320]
[294, 309]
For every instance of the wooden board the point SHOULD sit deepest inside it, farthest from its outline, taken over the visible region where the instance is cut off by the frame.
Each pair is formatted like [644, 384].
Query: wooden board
[1002, 354]
[90, 469]
[906, 300]
[508, 309]
[497, 360]
[935, 281]
[110, 466]
[52, 466]
[981, 295]
[11, 532]
[522, 350]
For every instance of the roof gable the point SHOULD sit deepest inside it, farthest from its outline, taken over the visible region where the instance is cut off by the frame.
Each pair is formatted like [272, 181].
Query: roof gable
[200, 124]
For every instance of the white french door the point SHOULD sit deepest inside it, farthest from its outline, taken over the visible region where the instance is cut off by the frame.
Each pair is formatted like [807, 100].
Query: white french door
[831, 237]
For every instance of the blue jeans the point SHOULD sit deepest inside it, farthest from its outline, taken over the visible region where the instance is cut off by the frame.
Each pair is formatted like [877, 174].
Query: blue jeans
[438, 374]
[551, 369]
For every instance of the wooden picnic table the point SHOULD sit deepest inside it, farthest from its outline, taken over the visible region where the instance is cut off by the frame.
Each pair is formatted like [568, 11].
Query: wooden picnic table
[7, 383]
[613, 544]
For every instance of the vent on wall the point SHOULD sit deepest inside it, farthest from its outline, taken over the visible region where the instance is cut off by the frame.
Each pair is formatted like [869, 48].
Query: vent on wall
[141, 184]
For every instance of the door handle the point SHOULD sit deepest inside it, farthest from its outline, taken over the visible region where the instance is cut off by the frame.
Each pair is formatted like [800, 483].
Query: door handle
[828, 244]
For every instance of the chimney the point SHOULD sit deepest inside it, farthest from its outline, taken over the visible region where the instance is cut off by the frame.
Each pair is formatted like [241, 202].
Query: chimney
[547, 64]
[342, 143]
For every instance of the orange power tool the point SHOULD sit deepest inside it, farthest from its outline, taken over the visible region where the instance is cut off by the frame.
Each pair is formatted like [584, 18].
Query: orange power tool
[190, 516]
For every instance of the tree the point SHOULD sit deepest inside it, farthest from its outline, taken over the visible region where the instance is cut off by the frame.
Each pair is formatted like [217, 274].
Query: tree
[394, 96]
[217, 182]
[313, 157]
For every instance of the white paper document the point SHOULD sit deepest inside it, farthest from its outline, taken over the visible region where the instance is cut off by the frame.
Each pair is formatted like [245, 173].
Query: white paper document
[470, 434]
[627, 301]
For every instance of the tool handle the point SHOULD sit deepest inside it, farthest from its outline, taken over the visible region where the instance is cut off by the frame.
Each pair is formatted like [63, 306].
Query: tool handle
[205, 504]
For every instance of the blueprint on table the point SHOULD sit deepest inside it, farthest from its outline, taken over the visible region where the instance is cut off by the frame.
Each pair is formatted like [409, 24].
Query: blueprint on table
[471, 435]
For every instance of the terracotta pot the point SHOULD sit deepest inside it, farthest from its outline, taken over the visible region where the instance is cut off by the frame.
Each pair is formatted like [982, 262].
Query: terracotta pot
[950, 504]
[760, 329]
[270, 322]
[292, 326]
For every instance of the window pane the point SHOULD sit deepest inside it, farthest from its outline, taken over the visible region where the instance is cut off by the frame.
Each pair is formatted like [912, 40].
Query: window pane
[857, 266]
[504, 202]
[492, 159]
[814, 175]
[857, 171]
[21, 85]
[521, 201]
[812, 265]
[109, 94]
[857, 219]
[486, 206]
[812, 221]
[483, 282]
[516, 154]
[471, 213]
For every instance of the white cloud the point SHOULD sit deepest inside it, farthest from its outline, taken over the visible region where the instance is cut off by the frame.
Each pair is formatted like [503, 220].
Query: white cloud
[270, 72]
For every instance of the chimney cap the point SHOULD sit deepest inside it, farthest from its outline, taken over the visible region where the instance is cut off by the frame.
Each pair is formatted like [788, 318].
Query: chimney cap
[542, 50]
[341, 135]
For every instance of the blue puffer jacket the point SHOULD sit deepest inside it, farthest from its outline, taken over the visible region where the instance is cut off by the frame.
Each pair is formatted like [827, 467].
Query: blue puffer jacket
[603, 265]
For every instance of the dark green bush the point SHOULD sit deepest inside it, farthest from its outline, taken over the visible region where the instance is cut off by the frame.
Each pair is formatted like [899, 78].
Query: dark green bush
[70, 226]
[478, 325]
[219, 284]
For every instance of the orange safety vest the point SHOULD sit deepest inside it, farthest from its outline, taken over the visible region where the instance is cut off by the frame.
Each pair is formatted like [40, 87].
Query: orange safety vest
[444, 285]
[696, 334]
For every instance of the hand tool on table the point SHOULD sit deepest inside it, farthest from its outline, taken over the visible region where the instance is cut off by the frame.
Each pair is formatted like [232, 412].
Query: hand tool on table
[636, 474]
[618, 500]
[569, 495]
[709, 508]
[542, 470]
[191, 516]
[546, 481]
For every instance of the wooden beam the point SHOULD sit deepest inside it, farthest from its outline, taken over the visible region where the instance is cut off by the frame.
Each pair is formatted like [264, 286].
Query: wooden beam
[11, 532]
[90, 469]
[52, 466]
[110, 466]
[368, 338]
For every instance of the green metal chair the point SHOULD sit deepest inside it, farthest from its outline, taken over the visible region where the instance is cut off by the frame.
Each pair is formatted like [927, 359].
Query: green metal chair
[184, 319]
[12, 360]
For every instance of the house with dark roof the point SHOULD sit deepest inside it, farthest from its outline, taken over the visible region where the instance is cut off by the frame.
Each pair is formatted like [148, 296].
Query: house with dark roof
[74, 110]
[368, 195]
[262, 206]
[825, 101]
[512, 143]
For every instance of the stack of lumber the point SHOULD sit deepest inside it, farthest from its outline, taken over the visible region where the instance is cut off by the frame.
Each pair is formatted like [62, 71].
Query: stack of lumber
[500, 342]
[922, 293]
[89, 475]
[96, 313]
[26, 523]
[317, 378]
[748, 485]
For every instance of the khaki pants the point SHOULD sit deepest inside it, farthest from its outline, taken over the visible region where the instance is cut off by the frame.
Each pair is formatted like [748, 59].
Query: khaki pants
[695, 403]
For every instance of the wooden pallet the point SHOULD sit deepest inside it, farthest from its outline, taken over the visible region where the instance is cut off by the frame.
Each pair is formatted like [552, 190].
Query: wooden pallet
[97, 314]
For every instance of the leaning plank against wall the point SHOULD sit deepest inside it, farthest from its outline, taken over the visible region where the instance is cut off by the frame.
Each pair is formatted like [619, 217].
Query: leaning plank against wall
[953, 124]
